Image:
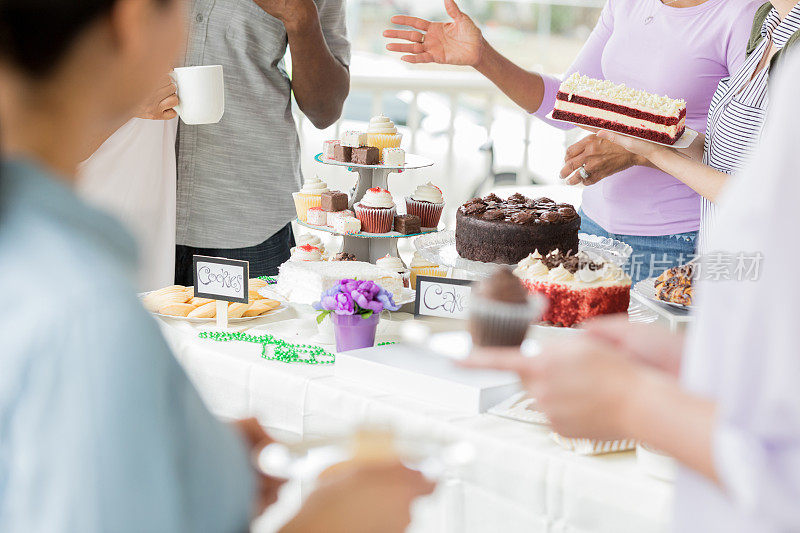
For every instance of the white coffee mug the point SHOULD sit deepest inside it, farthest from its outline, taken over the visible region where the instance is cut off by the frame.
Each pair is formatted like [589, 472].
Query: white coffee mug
[201, 91]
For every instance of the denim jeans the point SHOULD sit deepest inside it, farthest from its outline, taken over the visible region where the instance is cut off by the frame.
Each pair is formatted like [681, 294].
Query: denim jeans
[651, 254]
[264, 258]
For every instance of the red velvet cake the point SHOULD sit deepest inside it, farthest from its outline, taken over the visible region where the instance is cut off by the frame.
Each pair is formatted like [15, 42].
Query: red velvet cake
[610, 106]
[577, 287]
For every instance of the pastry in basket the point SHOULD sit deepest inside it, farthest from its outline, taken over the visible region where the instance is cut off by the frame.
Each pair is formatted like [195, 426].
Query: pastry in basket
[578, 286]
[675, 284]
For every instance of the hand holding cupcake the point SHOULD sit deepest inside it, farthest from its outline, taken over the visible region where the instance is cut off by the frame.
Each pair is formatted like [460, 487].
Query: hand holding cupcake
[427, 203]
[376, 211]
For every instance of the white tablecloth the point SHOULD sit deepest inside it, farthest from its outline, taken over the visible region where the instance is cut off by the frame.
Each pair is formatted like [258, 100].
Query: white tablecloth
[522, 480]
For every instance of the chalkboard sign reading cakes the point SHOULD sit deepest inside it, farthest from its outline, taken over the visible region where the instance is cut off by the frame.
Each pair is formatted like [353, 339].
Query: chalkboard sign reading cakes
[493, 230]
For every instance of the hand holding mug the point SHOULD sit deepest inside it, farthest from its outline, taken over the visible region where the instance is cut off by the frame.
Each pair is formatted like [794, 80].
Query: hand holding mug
[201, 91]
[161, 105]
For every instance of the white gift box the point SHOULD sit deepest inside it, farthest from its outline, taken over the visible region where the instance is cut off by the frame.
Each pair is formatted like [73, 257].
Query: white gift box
[427, 376]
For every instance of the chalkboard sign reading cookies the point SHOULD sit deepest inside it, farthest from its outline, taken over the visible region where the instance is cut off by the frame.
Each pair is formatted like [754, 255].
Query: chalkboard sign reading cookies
[221, 279]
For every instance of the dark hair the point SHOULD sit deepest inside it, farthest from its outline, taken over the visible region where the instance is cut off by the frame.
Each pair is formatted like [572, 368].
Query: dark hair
[36, 34]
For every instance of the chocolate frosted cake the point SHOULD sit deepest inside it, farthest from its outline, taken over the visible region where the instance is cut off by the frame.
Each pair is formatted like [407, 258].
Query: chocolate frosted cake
[493, 230]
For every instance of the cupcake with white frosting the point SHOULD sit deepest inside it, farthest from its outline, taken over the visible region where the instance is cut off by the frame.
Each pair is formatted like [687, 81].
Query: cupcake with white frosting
[427, 203]
[376, 211]
[312, 240]
[307, 252]
[422, 267]
[309, 196]
[382, 133]
[393, 263]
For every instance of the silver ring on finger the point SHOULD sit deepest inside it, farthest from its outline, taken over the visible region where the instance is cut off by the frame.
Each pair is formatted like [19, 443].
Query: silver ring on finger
[423, 39]
[583, 172]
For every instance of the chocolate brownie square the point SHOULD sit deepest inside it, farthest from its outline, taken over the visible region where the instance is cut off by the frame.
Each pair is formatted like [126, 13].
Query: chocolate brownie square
[343, 153]
[333, 201]
[407, 224]
[366, 155]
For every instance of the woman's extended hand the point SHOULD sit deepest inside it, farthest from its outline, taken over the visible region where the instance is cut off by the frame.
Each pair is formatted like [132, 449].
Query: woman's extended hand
[600, 158]
[452, 43]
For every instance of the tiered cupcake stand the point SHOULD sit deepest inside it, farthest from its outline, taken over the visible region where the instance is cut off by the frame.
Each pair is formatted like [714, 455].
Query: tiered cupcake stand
[370, 247]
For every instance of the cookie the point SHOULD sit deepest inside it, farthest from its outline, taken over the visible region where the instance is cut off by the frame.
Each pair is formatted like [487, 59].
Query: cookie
[176, 309]
[236, 310]
[260, 307]
[208, 310]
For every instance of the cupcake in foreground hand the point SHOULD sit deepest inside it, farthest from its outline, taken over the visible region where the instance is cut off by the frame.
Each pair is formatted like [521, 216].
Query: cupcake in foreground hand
[500, 310]
[309, 196]
[376, 211]
[427, 203]
[422, 267]
[382, 133]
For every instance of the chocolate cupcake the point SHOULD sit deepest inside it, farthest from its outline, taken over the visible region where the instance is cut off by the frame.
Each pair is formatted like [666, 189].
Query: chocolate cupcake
[501, 310]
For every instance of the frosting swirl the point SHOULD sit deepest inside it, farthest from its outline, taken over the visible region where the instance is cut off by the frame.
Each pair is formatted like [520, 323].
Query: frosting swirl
[377, 197]
[314, 186]
[560, 274]
[428, 193]
[307, 238]
[381, 125]
[420, 262]
[391, 263]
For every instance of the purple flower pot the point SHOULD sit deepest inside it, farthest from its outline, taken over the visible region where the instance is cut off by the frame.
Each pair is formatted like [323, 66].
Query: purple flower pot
[353, 332]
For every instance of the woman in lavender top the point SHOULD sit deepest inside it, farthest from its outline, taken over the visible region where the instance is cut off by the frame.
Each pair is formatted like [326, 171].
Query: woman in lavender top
[681, 48]
[732, 417]
[736, 116]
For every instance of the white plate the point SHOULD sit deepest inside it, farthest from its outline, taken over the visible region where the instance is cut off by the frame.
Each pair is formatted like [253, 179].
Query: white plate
[412, 162]
[647, 288]
[278, 310]
[364, 235]
[440, 248]
[685, 140]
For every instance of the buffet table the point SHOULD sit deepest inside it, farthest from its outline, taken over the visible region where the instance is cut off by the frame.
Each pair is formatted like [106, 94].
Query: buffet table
[521, 481]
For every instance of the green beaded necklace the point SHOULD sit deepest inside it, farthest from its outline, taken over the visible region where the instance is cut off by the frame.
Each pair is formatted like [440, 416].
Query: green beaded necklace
[282, 351]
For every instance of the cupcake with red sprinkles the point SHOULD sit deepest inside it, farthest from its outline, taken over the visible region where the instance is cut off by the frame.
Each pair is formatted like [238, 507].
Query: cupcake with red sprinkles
[376, 211]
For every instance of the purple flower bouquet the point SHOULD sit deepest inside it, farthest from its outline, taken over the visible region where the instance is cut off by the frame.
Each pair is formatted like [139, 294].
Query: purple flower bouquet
[354, 307]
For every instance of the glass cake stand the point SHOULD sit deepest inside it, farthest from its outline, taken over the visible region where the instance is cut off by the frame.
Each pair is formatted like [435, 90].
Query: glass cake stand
[440, 248]
[370, 247]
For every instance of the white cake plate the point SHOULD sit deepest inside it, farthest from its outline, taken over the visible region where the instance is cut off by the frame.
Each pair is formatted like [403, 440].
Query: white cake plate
[685, 140]
[370, 247]
[440, 248]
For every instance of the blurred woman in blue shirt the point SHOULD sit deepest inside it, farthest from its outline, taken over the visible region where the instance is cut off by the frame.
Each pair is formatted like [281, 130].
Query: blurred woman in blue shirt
[100, 429]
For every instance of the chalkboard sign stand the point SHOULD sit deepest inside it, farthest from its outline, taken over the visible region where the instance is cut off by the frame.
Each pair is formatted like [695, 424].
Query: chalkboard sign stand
[222, 315]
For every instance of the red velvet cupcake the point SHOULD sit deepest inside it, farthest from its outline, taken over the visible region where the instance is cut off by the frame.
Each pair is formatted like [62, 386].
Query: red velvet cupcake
[376, 211]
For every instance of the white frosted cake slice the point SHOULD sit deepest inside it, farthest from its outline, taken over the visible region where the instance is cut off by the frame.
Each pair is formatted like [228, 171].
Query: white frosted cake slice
[607, 105]
[304, 282]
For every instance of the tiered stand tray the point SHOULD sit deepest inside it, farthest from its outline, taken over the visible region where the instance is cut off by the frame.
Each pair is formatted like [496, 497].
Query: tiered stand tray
[441, 250]
[370, 247]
